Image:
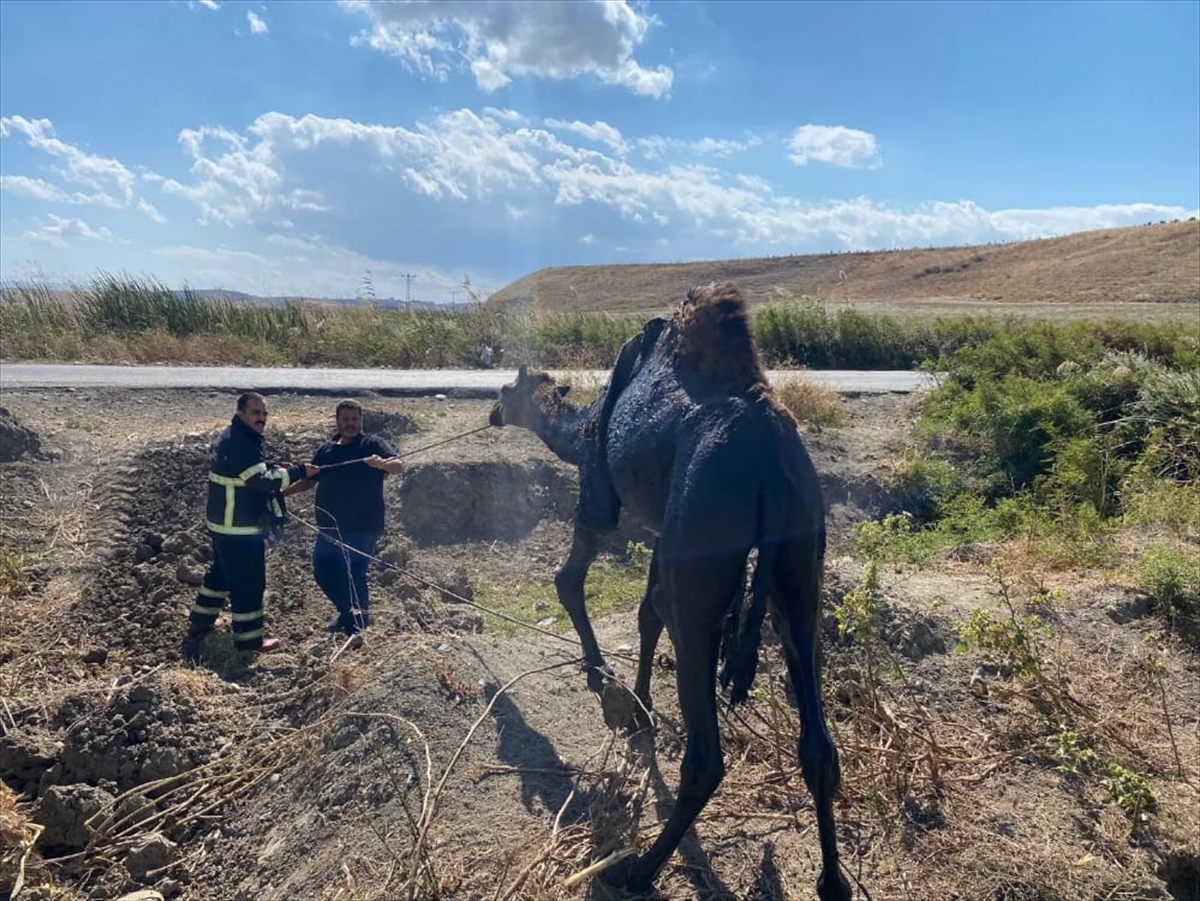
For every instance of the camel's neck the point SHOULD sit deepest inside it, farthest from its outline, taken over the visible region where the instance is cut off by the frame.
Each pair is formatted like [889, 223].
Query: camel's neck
[560, 425]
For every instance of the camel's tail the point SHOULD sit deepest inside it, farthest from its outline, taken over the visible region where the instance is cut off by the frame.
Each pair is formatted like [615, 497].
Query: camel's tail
[743, 627]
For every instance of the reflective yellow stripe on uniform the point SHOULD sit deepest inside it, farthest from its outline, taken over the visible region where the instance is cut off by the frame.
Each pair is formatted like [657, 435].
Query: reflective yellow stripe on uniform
[207, 611]
[231, 484]
[279, 474]
[257, 469]
[212, 593]
[239, 637]
[247, 617]
[221, 529]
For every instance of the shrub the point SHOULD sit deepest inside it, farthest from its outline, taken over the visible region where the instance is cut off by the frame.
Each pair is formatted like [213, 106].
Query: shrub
[1132, 792]
[1171, 577]
[923, 485]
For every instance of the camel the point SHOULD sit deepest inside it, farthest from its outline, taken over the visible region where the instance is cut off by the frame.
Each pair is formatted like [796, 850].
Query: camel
[688, 437]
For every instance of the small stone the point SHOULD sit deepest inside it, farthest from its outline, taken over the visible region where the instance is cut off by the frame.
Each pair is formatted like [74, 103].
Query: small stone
[189, 575]
[152, 853]
[94, 655]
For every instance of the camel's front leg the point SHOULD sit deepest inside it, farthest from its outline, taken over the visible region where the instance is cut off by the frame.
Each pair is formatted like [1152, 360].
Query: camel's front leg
[568, 582]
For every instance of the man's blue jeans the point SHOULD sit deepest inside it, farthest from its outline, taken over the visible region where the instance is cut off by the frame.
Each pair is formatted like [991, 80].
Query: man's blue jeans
[342, 574]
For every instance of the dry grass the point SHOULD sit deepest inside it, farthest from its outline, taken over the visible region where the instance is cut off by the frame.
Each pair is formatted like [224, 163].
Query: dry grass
[811, 403]
[1143, 272]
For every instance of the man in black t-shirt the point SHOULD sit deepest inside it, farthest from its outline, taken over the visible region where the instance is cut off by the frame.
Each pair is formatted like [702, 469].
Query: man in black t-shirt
[349, 509]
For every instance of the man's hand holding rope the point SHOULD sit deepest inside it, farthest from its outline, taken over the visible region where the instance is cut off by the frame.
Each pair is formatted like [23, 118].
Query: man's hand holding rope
[392, 465]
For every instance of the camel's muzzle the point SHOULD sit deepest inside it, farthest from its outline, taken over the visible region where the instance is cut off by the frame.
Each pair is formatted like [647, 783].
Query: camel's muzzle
[497, 417]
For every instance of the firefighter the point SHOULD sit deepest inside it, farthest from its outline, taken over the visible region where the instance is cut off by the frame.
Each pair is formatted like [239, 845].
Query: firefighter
[244, 504]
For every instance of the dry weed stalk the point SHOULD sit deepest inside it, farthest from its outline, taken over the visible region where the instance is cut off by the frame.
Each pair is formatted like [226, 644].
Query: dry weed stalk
[18, 834]
[420, 864]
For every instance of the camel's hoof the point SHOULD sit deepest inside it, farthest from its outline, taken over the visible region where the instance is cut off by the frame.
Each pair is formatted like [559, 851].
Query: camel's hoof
[627, 877]
[620, 707]
[833, 888]
[599, 678]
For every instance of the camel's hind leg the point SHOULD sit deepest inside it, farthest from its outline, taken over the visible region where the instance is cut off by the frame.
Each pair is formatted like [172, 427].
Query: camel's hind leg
[650, 626]
[692, 598]
[796, 606]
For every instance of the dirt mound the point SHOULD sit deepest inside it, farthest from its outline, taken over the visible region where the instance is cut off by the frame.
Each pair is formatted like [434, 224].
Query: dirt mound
[392, 426]
[449, 503]
[16, 441]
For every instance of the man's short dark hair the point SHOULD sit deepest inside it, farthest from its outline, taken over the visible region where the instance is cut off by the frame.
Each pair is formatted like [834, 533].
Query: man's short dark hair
[244, 399]
[347, 405]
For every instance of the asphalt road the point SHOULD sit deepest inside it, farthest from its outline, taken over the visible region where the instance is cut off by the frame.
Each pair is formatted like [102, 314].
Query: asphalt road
[387, 382]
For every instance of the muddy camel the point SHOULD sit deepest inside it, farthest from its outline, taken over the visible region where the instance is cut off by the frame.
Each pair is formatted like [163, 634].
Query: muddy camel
[688, 437]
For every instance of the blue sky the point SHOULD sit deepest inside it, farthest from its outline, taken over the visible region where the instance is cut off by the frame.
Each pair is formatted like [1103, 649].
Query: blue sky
[290, 147]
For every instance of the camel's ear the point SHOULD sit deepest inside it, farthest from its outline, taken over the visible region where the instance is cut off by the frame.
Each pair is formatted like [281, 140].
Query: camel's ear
[522, 373]
[562, 390]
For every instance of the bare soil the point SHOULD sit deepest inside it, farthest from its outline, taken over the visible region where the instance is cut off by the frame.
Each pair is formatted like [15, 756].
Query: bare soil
[432, 757]
[1147, 272]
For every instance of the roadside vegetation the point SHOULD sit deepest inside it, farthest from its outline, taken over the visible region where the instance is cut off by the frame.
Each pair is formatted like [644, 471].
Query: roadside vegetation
[118, 318]
[1050, 458]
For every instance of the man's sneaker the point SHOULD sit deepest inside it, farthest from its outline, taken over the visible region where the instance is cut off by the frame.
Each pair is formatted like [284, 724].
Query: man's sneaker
[349, 623]
[266, 646]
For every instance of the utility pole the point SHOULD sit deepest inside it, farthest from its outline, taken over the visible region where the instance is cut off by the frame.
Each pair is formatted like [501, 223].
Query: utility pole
[454, 292]
[408, 277]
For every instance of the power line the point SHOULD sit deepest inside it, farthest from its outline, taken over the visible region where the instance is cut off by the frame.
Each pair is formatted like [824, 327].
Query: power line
[408, 277]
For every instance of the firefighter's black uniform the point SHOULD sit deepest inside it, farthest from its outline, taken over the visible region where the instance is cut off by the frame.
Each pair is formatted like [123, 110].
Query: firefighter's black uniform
[244, 502]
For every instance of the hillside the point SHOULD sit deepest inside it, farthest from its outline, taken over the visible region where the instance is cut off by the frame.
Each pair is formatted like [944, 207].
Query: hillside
[1151, 270]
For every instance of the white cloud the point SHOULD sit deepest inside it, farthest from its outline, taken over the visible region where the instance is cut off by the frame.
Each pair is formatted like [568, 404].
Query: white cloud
[597, 132]
[500, 41]
[108, 182]
[203, 4]
[836, 144]
[108, 178]
[311, 202]
[60, 230]
[657, 147]
[236, 182]
[288, 166]
[150, 212]
[257, 25]
[23, 186]
[209, 255]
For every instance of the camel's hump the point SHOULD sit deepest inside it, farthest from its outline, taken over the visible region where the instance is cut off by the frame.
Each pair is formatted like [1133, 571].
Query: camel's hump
[715, 339]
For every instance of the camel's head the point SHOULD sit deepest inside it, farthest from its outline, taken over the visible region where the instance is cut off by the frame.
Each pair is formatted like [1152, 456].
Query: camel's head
[520, 402]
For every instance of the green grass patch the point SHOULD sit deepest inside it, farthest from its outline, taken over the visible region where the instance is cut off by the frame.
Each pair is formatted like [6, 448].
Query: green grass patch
[611, 587]
[1171, 575]
[14, 572]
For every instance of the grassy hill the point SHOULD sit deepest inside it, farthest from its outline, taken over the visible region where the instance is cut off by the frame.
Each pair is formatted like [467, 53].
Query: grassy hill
[1150, 271]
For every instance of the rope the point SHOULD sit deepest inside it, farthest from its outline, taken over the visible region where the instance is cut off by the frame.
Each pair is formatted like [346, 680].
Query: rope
[415, 450]
[418, 450]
